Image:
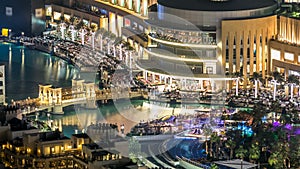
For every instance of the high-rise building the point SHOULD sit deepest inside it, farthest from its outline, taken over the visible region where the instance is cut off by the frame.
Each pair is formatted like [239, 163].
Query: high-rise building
[22, 16]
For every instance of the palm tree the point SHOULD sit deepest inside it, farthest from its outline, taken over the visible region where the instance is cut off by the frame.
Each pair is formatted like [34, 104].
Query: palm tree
[80, 25]
[214, 138]
[72, 20]
[254, 152]
[241, 152]
[292, 80]
[231, 145]
[274, 159]
[214, 166]
[256, 77]
[207, 131]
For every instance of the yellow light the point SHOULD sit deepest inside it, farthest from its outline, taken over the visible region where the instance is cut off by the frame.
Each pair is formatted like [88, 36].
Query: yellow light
[5, 32]
[28, 150]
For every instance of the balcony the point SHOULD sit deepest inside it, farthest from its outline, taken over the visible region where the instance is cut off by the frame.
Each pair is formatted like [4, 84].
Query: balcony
[182, 42]
[171, 56]
[139, 37]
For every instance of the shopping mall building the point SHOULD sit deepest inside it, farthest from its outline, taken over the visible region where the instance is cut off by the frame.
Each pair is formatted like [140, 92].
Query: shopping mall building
[197, 43]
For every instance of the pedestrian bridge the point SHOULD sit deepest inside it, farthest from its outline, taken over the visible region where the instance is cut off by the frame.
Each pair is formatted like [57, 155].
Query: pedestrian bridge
[53, 99]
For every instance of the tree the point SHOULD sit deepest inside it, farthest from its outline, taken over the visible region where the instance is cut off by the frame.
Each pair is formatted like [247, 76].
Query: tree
[72, 20]
[292, 80]
[254, 152]
[214, 166]
[214, 138]
[231, 145]
[93, 27]
[207, 131]
[80, 25]
[274, 159]
[241, 152]
[256, 77]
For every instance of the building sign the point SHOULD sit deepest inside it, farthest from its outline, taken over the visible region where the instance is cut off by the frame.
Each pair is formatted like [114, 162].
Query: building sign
[5, 32]
[48, 10]
[8, 11]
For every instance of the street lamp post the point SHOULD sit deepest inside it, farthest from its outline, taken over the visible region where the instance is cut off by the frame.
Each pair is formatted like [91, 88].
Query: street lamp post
[93, 39]
[275, 86]
[82, 33]
[120, 51]
[62, 30]
[241, 163]
[73, 32]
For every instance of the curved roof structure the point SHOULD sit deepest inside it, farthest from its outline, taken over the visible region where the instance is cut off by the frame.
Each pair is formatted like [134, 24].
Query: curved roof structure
[217, 5]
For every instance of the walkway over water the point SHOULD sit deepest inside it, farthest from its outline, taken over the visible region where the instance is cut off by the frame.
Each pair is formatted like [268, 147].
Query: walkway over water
[53, 99]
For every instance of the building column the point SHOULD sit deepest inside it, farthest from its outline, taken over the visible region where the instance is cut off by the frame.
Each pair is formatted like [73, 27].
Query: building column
[201, 84]
[145, 75]
[153, 77]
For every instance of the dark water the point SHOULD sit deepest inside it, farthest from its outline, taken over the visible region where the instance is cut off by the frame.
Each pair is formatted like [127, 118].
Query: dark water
[26, 68]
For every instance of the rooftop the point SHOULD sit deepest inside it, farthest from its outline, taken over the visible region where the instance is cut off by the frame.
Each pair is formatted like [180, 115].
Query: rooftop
[236, 164]
[81, 135]
[208, 5]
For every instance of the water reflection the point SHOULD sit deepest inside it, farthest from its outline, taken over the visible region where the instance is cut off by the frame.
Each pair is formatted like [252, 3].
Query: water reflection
[27, 68]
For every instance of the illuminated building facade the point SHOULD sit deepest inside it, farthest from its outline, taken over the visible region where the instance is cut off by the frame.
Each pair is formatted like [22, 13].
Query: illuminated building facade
[215, 38]
[284, 49]
[22, 16]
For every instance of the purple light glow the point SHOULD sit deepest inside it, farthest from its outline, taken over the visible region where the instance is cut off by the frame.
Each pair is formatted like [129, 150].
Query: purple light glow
[297, 132]
[276, 124]
[288, 127]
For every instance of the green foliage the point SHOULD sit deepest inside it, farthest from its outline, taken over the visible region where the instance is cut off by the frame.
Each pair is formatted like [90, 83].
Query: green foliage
[241, 152]
[293, 79]
[277, 76]
[231, 145]
[275, 159]
[254, 152]
[214, 166]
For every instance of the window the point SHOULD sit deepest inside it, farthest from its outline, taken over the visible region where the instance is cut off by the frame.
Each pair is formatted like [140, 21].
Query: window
[275, 54]
[39, 13]
[209, 70]
[289, 56]
[8, 11]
